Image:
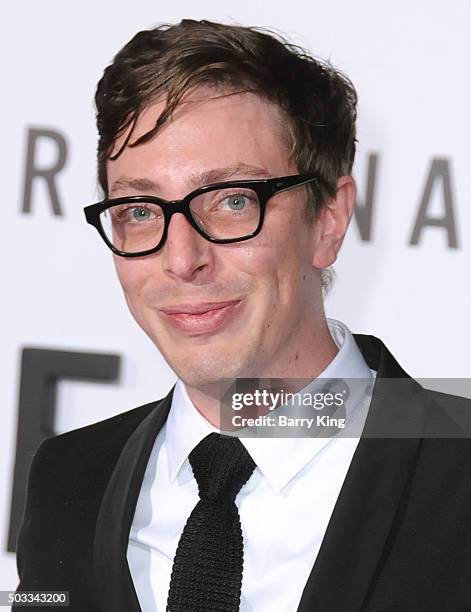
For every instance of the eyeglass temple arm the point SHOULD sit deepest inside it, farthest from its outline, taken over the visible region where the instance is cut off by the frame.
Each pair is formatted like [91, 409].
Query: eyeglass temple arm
[293, 181]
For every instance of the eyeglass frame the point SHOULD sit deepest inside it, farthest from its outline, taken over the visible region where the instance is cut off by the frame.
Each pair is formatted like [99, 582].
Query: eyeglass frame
[264, 188]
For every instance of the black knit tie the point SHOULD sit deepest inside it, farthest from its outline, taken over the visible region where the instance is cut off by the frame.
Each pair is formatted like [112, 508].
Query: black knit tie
[207, 569]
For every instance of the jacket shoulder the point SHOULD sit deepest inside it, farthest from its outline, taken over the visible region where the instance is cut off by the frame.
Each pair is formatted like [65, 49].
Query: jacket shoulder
[99, 435]
[93, 447]
[454, 408]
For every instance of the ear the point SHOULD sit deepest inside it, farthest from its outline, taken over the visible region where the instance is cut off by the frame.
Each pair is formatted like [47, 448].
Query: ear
[333, 223]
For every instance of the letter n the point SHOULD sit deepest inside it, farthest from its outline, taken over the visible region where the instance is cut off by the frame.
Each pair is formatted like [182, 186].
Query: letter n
[364, 212]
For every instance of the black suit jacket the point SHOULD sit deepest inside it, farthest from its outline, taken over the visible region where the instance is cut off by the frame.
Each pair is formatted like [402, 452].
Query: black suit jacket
[399, 537]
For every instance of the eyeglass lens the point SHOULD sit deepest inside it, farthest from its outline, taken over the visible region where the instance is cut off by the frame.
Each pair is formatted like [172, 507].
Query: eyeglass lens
[225, 213]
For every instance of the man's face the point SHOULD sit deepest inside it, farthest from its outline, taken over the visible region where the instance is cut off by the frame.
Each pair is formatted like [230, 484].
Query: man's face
[269, 281]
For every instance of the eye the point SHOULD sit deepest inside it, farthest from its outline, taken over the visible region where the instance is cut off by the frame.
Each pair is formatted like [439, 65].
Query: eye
[140, 213]
[236, 201]
[135, 214]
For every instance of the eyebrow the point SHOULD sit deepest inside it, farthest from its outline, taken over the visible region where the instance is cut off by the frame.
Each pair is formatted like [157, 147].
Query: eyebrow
[197, 179]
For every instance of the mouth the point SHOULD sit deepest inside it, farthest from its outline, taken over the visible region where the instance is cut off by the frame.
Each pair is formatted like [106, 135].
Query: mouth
[203, 318]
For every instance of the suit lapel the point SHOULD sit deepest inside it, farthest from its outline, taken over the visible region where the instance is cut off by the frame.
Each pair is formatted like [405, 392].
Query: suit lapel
[362, 519]
[113, 579]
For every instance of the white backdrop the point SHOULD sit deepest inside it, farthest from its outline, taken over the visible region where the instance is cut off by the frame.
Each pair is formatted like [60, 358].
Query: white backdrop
[410, 64]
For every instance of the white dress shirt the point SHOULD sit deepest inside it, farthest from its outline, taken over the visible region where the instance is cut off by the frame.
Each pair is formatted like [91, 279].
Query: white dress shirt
[284, 507]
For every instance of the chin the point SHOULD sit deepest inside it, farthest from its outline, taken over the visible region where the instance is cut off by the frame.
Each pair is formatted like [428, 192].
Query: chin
[208, 370]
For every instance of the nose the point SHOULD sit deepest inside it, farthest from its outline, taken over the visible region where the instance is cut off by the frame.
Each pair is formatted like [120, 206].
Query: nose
[185, 254]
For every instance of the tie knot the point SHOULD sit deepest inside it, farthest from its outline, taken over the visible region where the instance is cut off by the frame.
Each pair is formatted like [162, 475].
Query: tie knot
[221, 466]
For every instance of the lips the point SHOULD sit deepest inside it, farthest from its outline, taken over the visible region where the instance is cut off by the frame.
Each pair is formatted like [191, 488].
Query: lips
[203, 318]
[195, 309]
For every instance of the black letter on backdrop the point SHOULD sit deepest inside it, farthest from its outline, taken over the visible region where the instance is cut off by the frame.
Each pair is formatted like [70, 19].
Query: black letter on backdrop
[32, 171]
[364, 213]
[40, 371]
[439, 172]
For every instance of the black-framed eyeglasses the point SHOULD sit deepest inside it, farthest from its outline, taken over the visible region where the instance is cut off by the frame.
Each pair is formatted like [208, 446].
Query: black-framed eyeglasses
[226, 212]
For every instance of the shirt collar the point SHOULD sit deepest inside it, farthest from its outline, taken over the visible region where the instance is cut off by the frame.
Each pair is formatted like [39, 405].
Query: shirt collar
[186, 426]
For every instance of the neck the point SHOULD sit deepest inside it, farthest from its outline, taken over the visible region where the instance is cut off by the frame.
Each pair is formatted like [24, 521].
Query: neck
[306, 359]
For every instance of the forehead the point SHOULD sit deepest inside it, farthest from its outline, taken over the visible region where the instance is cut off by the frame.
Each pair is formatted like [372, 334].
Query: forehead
[208, 129]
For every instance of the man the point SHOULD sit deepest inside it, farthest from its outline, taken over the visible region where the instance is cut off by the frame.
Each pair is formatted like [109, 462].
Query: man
[225, 158]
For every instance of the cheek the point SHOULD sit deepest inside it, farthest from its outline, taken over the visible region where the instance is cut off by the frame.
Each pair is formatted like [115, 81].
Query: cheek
[131, 275]
[274, 267]
[281, 267]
